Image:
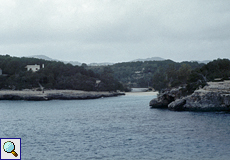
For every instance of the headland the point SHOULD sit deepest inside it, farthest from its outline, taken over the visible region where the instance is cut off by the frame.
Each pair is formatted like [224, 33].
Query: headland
[215, 96]
[31, 95]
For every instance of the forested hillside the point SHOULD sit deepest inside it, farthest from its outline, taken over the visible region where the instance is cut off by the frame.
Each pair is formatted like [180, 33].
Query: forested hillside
[120, 76]
[216, 70]
[156, 74]
[55, 75]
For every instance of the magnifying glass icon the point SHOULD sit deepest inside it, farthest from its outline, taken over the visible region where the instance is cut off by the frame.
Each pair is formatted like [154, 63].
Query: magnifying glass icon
[9, 147]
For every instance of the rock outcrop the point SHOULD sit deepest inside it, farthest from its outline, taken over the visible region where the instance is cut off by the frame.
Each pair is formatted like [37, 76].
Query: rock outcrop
[166, 97]
[213, 97]
[54, 94]
[177, 105]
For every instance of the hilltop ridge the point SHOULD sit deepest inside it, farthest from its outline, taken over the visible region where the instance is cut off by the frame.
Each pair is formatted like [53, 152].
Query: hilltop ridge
[149, 59]
[44, 57]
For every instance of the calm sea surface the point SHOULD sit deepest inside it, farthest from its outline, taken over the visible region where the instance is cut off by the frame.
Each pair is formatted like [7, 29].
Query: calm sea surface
[113, 128]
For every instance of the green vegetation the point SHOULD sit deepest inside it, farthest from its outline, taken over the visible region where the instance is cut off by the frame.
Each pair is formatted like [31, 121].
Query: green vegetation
[217, 69]
[167, 74]
[156, 74]
[55, 75]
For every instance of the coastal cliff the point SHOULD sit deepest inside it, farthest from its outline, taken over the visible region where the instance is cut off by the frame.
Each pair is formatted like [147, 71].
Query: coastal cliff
[166, 97]
[54, 94]
[213, 97]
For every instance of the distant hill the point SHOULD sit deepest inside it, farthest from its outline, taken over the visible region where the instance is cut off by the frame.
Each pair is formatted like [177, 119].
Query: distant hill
[149, 59]
[43, 57]
[100, 64]
[205, 61]
[71, 62]
[105, 63]
[50, 59]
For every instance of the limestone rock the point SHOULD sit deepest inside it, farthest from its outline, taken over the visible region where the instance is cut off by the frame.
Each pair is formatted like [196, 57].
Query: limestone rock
[166, 97]
[177, 105]
[207, 101]
[155, 103]
[213, 97]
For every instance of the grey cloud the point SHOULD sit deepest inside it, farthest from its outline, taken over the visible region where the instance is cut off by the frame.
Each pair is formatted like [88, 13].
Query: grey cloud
[106, 30]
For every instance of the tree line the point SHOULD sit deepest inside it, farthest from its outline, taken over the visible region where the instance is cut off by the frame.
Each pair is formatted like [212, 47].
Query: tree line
[120, 76]
[55, 75]
[168, 74]
[155, 74]
[217, 70]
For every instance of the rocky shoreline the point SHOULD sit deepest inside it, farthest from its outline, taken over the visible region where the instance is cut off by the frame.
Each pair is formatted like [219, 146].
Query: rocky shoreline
[213, 97]
[30, 95]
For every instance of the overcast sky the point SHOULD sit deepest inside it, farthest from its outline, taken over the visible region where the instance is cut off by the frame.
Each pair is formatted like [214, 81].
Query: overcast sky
[116, 30]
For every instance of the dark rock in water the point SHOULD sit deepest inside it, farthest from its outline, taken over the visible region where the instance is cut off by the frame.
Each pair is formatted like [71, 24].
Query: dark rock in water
[11, 97]
[177, 105]
[155, 103]
[166, 97]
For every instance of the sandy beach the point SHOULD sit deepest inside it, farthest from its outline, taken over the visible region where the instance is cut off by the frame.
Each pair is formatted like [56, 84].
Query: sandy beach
[141, 93]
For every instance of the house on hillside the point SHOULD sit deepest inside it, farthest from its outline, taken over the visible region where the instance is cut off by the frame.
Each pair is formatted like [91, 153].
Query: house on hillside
[34, 68]
[1, 73]
[97, 83]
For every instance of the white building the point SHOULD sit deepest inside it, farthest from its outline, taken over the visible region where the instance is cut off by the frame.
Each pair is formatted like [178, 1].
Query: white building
[97, 83]
[34, 68]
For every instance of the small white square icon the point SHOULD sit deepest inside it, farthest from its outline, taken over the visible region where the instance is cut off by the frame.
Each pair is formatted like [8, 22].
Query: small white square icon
[10, 148]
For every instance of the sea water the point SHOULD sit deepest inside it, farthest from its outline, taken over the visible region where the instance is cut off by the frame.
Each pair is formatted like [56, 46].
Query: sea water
[113, 128]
